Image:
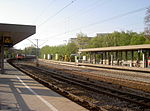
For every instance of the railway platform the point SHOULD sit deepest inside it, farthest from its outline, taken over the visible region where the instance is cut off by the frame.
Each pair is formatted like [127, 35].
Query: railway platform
[19, 92]
[97, 66]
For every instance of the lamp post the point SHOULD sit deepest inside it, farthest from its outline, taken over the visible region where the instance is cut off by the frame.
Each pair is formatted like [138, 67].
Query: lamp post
[37, 62]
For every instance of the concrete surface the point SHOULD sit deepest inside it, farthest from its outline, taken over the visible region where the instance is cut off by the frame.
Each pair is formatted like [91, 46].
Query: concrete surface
[18, 92]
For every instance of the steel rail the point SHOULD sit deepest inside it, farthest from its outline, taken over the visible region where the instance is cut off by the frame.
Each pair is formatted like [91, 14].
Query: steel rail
[140, 100]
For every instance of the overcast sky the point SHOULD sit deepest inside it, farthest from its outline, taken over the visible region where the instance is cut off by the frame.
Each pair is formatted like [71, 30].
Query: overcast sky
[58, 20]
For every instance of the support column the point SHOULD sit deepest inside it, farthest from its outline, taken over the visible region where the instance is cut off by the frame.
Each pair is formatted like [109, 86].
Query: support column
[102, 58]
[111, 58]
[37, 53]
[143, 60]
[90, 57]
[95, 58]
[121, 58]
[131, 65]
[105, 56]
[126, 55]
[138, 58]
[117, 58]
[2, 56]
[146, 59]
[91, 61]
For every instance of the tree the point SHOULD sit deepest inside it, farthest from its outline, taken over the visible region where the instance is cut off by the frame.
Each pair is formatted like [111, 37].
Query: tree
[95, 42]
[71, 49]
[31, 50]
[137, 39]
[147, 24]
[118, 39]
[82, 40]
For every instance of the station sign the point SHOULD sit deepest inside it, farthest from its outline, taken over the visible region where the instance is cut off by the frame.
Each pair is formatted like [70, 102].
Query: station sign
[7, 41]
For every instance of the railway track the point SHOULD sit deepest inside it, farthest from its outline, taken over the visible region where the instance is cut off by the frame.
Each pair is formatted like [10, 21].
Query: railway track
[93, 67]
[123, 78]
[98, 88]
[116, 68]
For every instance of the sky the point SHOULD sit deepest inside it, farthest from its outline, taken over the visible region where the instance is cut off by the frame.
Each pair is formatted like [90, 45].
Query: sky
[59, 20]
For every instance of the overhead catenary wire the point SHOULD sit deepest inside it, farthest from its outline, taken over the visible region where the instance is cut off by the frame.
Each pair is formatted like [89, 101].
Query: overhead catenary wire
[32, 42]
[50, 17]
[99, 22]
[97, 1]
[112, 18]
[42, 12]
[90, 7]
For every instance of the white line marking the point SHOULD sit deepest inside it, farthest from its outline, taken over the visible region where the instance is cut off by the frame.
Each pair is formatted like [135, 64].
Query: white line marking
[43, 100]
[18, 90]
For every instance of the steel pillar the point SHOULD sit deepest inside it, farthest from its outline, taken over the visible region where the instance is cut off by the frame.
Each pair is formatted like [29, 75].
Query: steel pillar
[117, 58]
[126, 55]
[132, 54]
[105, 57]
[112, 58]
[143, 60]
[95, 58]
[2, 57]
[109, 58]
[90, 57]
[37, 61]
[121, 57]
[102, 58]
[138, 58]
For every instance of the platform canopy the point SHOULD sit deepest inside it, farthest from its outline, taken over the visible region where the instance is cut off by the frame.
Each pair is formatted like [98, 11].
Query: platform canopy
[11, 34]
[15, 33]
[117, 48]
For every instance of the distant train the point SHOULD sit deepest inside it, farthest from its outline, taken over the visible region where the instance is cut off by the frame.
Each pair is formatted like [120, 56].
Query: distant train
[20, 56]
[23, 56]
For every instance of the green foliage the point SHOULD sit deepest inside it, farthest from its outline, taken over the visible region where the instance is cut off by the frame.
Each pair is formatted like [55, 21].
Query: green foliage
[71, 49]
[118, 39]
[147, 42]
[137, 39]
[30, 50]
[82, 41]
[95, 42]
[61, 50]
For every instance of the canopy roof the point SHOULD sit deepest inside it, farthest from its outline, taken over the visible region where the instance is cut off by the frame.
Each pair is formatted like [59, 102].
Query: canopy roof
[118, 48]
[16, 32]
